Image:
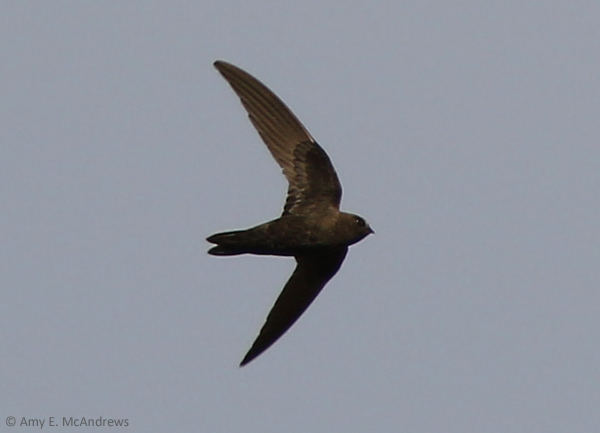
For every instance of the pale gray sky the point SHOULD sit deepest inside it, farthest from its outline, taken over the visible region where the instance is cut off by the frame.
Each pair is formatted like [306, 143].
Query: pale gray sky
[466, 133]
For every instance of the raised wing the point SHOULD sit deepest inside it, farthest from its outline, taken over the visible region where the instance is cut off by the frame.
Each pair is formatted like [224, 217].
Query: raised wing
[313, 182]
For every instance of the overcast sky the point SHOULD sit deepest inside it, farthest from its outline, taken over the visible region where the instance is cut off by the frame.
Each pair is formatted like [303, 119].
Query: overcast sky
[466, 133]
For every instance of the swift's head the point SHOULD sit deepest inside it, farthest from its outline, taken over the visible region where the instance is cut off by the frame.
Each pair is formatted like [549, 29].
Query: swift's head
[353, 228]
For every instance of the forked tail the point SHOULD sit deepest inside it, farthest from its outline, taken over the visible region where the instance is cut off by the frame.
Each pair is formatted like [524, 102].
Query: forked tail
[230, 243]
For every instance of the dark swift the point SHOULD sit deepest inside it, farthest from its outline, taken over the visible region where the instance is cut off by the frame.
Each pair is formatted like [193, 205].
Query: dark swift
[311, 228]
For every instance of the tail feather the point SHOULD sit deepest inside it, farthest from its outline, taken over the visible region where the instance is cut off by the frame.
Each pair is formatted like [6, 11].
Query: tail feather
[229, 243]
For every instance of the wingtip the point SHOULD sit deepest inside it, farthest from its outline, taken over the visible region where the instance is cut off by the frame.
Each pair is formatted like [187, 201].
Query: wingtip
[254, 352]
[246, 360]
[221, 64]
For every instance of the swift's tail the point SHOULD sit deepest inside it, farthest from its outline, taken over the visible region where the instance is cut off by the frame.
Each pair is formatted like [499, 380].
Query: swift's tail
[230, 243]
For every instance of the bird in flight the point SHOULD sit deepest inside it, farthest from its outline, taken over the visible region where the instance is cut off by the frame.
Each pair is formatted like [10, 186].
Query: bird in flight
[311, 228]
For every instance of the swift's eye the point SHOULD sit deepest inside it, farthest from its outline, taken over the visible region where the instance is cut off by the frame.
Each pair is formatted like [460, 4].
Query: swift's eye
[360, 222]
